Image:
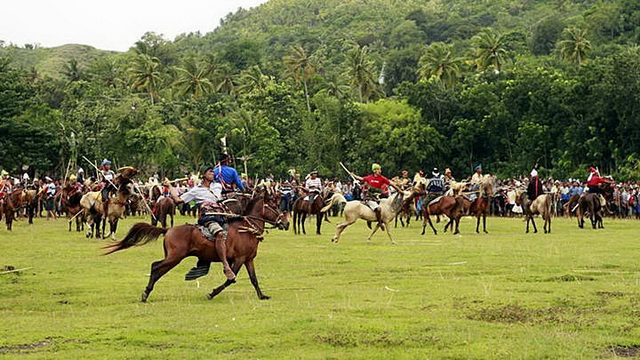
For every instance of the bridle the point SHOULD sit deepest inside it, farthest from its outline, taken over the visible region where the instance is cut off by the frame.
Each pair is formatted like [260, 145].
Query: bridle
[273, 223]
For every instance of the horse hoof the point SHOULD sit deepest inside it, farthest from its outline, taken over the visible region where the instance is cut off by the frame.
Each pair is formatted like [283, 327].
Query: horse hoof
[144, 298]
[486, 232]
[210, 296]
[265, 297]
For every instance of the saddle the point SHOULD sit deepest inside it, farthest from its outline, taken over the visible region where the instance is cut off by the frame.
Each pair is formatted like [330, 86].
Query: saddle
[436, 200]
[205, 232]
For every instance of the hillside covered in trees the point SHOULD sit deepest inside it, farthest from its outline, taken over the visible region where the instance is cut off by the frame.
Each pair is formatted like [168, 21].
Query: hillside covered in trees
[307, 83]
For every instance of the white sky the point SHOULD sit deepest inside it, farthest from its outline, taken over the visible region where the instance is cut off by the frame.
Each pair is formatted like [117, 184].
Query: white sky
[108, 24]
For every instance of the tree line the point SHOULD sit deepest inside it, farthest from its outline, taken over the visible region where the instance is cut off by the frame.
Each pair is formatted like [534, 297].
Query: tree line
[474, 86]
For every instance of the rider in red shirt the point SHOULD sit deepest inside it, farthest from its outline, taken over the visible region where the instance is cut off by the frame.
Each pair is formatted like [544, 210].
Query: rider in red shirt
[378, 186]
[594, 180]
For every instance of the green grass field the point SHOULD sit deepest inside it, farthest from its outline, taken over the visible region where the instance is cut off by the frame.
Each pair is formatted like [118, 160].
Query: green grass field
[574, 294]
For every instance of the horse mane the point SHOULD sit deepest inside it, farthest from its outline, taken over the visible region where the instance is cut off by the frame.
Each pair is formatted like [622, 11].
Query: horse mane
[252, 204]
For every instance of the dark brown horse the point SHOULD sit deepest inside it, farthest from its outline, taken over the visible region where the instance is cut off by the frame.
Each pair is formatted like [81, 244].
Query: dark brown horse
[451, 206]
[590, 203]
[303, 207]
[70, 200]
[244, 235]
[163, 208]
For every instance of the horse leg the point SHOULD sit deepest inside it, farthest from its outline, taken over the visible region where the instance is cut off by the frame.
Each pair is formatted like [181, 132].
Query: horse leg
[527, 231]
[295, 219]
[457, 225]
[426, 216]
[319, 216]
[535, 229]
[386, 226]
[449, 223]
[114, 228]
[374, 231]
[158, 269]
[304, 218]
[478, 224]
[484, 223]
[235, 267]
[254, 280]
[340, 228]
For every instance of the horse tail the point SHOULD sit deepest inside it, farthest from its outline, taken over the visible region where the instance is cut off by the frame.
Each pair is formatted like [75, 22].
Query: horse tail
[337, 198]
[139, 234]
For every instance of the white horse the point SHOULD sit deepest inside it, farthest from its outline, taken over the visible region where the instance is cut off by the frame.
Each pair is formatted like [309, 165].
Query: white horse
[355, 210]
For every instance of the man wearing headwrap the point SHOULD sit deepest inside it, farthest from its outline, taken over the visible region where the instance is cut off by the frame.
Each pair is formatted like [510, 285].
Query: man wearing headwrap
[534, 189]
[106, 177]
[435, 186]
[477, 177]
[226, 175]
[208, 195]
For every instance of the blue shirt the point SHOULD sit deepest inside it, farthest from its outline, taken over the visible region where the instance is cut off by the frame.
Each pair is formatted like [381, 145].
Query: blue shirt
[228, 175]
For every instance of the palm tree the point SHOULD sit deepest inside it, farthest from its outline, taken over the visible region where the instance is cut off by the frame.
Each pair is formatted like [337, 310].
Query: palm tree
[335, 85]
[253, 79]
[192, 80]
[574, 47]
[362, 74]
[144, 75]
[301, 67]
[439, 62]
[489, 50]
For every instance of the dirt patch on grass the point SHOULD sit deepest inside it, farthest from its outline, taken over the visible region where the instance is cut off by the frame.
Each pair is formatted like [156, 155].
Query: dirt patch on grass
[569, 278]
[624, 350]
[376, 338]
[22, 348]
[515, 313]
[610, 294]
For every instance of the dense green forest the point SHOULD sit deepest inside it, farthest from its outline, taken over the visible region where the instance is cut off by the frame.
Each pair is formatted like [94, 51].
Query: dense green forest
[307, 83]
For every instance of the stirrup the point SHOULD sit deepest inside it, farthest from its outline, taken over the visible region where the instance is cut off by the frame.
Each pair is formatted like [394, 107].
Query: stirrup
[196, 272]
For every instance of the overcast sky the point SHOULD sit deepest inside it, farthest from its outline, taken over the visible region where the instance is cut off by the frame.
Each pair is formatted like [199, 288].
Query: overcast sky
[108, 24]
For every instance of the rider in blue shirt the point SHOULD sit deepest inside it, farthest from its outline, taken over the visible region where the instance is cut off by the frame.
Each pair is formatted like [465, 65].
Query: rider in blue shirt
[226, 175]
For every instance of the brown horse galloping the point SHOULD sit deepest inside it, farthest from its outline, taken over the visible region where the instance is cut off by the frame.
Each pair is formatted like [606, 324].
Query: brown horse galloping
[244, 235]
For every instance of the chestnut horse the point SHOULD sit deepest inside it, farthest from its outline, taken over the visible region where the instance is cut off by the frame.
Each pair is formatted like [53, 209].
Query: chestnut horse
[303, 207]
[451, 206]
[163, 208]
[244, 235]
[480, 206]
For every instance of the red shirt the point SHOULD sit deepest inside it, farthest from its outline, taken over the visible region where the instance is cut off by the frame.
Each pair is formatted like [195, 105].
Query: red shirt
[595, 181]
[376, 181]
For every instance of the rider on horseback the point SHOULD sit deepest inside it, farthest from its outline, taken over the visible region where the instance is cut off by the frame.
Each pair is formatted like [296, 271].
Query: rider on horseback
[378, 186]
[313, 185]
[534, 189]
[208, 195]
[106, 178]
[435, 186]
[226, 175]
[594, 180]
[593, 183]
